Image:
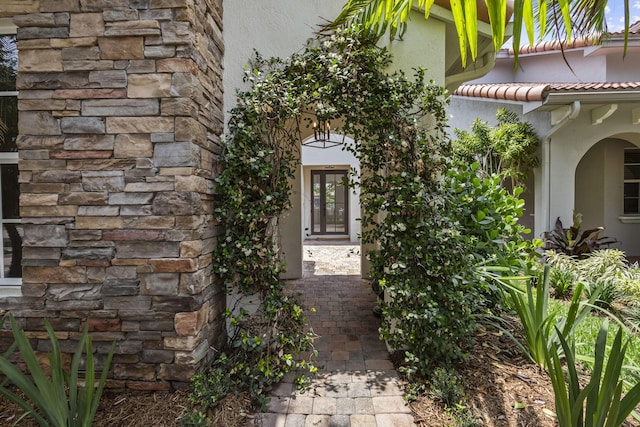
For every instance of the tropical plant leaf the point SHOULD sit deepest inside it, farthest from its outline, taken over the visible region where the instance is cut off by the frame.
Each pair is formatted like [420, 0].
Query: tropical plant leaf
[50, 405]
[560, 18]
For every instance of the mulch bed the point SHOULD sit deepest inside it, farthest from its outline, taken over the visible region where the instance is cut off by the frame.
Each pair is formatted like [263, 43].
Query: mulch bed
[502, 387]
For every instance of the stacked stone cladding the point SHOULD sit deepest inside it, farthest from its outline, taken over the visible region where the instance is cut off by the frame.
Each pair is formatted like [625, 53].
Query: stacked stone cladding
[120, 118]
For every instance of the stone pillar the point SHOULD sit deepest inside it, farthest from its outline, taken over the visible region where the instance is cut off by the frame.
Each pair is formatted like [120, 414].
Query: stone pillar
[120, 118]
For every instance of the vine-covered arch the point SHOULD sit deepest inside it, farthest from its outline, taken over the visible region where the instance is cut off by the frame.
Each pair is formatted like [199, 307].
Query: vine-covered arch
[398, 125]
[341, 78]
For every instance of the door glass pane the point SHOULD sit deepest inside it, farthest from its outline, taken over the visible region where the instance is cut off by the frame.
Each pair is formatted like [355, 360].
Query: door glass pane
[11, 227]
[329, 213]
[315, 214]
[341, 206]
[330, 202]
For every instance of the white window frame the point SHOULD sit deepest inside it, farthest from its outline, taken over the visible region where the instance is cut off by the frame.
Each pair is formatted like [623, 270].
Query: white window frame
[631, 181]
[9, 286]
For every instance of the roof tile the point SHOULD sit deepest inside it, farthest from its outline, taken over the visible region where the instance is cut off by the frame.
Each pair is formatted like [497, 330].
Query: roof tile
[552, 45]
[527, 92]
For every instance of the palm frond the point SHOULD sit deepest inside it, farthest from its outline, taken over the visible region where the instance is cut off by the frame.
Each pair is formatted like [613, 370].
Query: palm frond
[560, 19]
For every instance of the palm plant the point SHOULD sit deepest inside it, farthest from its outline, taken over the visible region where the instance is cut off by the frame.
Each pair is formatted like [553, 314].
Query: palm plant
[563, 18]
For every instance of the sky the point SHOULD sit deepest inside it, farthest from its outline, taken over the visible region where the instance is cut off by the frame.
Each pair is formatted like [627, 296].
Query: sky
[615, 14]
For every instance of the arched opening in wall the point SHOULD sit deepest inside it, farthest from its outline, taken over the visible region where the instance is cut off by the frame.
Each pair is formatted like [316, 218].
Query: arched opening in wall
[607, 190]
[330, 208]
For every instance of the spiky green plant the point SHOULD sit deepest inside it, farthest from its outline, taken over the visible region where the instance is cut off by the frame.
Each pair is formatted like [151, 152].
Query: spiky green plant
[61, 399]
[600, 402]
[541, 324]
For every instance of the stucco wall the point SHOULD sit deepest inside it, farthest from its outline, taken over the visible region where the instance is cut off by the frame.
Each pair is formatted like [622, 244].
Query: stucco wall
[569, 145]
[590, 187]
[550, 67]
[282, 27]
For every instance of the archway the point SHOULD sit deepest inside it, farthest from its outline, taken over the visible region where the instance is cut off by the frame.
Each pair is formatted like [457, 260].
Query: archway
[330, 208]
[410, 218]
[607, 190]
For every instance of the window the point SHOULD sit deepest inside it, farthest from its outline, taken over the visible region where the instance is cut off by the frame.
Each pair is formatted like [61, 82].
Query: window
[632, 181]
[11, 249]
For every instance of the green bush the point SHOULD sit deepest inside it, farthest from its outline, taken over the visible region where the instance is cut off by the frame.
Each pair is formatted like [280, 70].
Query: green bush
[508, 150]
[61, 398]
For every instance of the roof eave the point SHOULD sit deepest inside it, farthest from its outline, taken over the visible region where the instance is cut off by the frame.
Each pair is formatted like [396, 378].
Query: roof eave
[599, 97]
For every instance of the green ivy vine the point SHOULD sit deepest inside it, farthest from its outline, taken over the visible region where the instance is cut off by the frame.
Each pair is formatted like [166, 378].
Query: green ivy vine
[426, 255]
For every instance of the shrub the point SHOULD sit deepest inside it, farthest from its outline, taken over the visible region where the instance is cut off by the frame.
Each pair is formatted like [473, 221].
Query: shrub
[573, 241]
[61, 398]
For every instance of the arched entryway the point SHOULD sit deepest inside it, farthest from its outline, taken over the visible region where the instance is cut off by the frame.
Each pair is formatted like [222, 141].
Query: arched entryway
[607, 189]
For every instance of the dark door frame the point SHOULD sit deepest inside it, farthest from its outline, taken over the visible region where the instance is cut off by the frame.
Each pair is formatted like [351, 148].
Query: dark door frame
[322, 173]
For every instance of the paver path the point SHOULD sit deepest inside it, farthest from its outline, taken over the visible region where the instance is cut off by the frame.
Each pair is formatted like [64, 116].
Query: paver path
[356, 385]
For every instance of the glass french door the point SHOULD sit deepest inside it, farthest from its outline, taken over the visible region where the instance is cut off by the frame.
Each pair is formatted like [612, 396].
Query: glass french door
[330, 208]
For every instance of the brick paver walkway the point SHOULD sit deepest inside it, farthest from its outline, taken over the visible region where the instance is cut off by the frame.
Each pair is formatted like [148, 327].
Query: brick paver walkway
[356, 385]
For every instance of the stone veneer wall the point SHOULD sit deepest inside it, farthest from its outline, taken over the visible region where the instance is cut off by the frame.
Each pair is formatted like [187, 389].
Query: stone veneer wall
[120, 117]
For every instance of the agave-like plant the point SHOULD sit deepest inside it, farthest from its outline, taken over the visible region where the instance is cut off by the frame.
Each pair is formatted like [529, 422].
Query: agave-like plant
[62, 398]
[600, 403]
[574, 242]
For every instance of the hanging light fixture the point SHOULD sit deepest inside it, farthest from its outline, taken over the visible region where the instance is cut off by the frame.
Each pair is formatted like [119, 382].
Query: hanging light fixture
[322, 137]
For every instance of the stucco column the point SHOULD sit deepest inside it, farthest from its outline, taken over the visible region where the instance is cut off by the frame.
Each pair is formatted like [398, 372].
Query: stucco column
[291, 231]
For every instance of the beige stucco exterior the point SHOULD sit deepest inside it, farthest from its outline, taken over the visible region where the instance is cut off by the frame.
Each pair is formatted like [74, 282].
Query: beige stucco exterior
[583, 129]
[431, 44]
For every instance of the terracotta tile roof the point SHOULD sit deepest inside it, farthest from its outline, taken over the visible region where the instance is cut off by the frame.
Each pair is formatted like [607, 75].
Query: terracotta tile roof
[529, 92]
[633, 29]
[553, 45]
